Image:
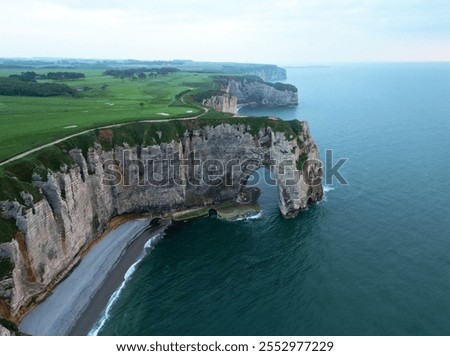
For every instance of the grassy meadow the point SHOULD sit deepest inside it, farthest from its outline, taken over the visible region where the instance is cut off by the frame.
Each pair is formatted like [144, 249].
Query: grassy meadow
[27, 122]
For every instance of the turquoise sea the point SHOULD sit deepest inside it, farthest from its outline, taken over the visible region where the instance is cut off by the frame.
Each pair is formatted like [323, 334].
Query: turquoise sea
[373, 258]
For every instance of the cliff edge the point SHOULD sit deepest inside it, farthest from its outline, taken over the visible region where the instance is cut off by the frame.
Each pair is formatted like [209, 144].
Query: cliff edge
[249, 90]
[154, 168]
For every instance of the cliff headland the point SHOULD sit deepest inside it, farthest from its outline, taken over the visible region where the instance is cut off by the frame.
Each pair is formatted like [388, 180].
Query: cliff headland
[57, 202]
[250, 90]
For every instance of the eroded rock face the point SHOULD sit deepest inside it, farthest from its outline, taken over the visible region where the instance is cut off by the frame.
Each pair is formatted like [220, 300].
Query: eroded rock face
[259, 93]
[206, 167]
[222, 103]
[299, 182]
[4, 331]
[247, 91]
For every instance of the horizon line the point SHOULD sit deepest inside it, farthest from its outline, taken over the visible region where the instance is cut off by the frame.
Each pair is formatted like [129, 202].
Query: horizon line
[287, 65]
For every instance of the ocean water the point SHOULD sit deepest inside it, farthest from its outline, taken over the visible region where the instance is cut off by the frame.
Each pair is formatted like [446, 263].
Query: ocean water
[373, 258]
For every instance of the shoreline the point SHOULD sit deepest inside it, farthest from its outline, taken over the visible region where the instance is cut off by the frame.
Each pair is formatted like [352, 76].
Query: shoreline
[64, 311]
[112, 224]
[133, 253]
[79, 301]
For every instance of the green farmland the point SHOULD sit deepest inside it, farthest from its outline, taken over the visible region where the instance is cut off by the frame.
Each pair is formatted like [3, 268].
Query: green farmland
[27, 122]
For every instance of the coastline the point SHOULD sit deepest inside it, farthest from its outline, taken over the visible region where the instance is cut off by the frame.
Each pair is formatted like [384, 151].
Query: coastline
[77, 305]
[94, 312]
[79, 299]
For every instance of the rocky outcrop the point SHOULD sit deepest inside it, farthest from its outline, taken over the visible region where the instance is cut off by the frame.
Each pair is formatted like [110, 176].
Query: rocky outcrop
[257, 92]
[222, 103]
[298, 183]
[5, 331]
[250, 90]
[204, 167]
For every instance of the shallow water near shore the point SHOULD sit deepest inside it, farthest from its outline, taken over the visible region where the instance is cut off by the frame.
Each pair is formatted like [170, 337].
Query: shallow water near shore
[59, 312]
[372, 258]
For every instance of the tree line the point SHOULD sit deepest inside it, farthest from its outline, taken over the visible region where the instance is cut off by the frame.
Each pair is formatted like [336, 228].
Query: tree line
[33, 76]
[139, 73]
[18, 87]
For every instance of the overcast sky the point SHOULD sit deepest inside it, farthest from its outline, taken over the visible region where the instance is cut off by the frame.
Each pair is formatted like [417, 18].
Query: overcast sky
[282, 32]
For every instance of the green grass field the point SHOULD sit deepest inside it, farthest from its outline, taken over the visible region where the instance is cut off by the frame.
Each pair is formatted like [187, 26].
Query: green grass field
[28, 122]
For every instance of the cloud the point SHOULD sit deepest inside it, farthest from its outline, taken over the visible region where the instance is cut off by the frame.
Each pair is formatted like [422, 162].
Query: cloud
[284, 31]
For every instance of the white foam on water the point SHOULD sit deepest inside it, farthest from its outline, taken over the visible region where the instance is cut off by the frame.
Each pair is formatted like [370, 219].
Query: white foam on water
[149, 245]
[99, 325]
[256, 216]
[162, 113]
[326, 189]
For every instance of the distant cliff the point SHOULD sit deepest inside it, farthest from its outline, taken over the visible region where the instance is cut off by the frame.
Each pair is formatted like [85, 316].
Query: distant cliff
[241, 90]
[161, 170]
[222, 102]
[266, 72]
[250, 90]
[269, 72]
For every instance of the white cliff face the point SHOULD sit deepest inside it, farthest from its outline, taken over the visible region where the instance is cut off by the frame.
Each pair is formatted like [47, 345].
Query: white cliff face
[299, 182]
[222, 103]
[4, 331]
[246, 91]
[255, 92]
[80, 200]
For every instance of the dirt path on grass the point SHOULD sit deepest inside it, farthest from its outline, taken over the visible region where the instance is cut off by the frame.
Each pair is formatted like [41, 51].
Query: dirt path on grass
[26, 153]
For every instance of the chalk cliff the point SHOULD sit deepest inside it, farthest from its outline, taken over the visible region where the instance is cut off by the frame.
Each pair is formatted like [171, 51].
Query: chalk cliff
[250, 90]
[205, 165]
[264, 71]
[5, 332]
[222, 103]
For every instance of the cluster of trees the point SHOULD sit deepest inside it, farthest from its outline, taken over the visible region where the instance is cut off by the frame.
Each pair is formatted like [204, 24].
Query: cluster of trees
[65, 75]
[139, 73]
[18, 87]
[32, 76]
[26, 76]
